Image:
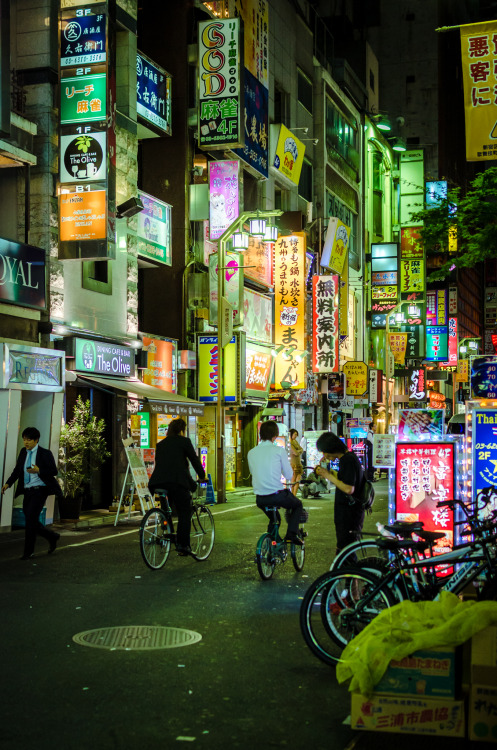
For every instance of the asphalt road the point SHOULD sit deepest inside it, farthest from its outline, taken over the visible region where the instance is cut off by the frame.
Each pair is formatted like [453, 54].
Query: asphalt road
[249, 682]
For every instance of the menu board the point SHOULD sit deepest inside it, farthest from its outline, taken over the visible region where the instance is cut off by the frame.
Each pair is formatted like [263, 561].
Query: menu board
[484, 377]
[421, 423]
[384, 451]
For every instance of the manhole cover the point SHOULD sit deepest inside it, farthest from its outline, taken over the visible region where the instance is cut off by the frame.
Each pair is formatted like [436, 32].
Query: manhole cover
[137, 638]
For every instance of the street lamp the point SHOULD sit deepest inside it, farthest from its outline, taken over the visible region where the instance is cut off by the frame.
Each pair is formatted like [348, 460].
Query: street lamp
[225, 326]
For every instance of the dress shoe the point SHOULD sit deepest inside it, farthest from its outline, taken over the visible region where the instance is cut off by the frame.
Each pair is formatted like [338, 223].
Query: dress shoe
[53, 544]
[183, 551]
[26, 557]
[293, 539]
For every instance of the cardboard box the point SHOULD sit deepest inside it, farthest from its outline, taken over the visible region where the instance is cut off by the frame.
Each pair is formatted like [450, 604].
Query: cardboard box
[482, 718]
[430, 672]
[484, 657]
[406, 714]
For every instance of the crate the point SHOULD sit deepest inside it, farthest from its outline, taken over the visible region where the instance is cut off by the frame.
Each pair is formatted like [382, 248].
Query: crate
[429, 672]
[19, 522]
[408, 714]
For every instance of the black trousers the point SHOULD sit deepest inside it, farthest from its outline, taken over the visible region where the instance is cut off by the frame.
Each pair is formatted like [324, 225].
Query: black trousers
[181, 498]
[282, 499]
[349, 519]
[32, 505]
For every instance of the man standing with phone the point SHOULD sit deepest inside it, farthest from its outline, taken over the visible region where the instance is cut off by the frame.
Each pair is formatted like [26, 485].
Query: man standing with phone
[35, 472]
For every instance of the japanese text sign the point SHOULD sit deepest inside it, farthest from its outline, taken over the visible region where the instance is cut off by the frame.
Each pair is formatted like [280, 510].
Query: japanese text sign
[398, 344]
[484, 377]
[357, 381]
[452, 359]
[153, 93]
[258, 368]
[220, 84]
[289, 155]
[208, 373]
[412, 275]
[417, 385]
[83, 39]
[83, 99]
[223, 196]
[424, 477]
[154, 229]
[258, 261]
[484, 447]
[83, 215]
[256, 149]
[233, 286]
[257, 316]
[325, 333]
[437, 343]
[410, 243]
[289, 304]
[479, 58]
[384, 451]
[161, 363]
[336, 245]
[255, 17]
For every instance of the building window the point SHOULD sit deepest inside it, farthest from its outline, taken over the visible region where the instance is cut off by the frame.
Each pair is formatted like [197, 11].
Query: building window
[304, 90]
[377, 185]
[305, 182]
[341, 135]
[97, 276]
[280, 104]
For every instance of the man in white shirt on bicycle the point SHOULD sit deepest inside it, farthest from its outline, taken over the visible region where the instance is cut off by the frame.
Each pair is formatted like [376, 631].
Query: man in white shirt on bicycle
[267, 462]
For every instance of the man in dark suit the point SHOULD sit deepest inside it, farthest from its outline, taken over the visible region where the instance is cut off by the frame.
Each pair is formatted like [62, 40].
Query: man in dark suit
[35, 472]
[172, 473]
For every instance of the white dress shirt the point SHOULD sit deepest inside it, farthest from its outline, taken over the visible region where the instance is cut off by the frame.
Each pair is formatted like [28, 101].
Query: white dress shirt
[267, 462]
[32, 480]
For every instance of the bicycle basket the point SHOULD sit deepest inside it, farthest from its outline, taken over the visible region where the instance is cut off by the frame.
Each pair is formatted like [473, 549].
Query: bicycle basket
[303, 518]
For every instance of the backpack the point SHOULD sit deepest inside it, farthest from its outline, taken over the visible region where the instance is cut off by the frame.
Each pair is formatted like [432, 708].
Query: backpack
[366, 496]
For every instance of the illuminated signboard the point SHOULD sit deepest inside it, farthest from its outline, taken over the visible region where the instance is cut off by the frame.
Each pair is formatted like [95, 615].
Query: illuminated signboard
[289, 154]
[336, 244]
[421, 424]
[82, 40]
[161, 363]
[207, 369]
[83, 156]
[412, 275]
[356, 378]
[83, 98]
[223, 196]
[22, 274]
[99, 357]
[258, 261]
[484, 447]
[153, 93]
[233, 286]
[425, 476]
[417, 385]
[154, 229]
[258, 369]
[325, 332]
[255, 151]
[257, 316]
[83, 215]
[484, 377]
[384, 281]
[220, 84]
[289, 301]
[437, 343]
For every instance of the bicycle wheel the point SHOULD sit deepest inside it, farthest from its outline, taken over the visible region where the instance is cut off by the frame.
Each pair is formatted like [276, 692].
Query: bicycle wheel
[352, 601]
[264, 556]
[155, 541]
[202, 532]
[365, 550]
[322, 636]
[298, 552]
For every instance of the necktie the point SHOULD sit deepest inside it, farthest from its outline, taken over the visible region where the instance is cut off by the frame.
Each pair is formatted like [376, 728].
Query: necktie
[27, 475]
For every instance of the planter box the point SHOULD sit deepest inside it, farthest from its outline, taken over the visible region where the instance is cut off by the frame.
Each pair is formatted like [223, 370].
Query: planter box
[406, 714]
[429, 672]
[19, 521]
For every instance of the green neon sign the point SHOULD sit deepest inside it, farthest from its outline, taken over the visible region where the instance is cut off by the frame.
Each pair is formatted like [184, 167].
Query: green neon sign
[83, 99]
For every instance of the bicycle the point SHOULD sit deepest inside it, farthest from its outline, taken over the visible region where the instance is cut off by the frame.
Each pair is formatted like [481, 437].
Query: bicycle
[157, 533]
[273, 550]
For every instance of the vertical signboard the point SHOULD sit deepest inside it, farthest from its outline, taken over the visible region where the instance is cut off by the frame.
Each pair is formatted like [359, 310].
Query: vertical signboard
[289, 154]
[384, 281]
[153, 94]
[207, 370]
[336, 243]
[325, 332]
[220, 84]
[223, 196]
[233, 287]
[154, 237]
[437, 343]
[258, 261]
[425, 476]
[479, 57]
[256, 149]
[484, 377]
[356, 378]
[160, 370]
[484, 449]
[289, 296]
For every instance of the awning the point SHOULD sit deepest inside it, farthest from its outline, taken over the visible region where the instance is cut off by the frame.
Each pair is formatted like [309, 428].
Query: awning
[154, 399]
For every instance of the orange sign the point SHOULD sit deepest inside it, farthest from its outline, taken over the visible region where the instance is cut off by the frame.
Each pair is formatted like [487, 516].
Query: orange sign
[83, 216]
[160, 369]
[398, 345]
[356, 378]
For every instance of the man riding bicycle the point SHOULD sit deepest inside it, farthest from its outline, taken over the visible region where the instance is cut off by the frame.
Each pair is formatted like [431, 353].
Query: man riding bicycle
[267, 462]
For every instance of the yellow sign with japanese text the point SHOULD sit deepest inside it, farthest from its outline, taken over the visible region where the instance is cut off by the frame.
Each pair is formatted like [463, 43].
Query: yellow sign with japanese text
[289, 155]
[356, 378]
[336, 245]
[398, 345]
[479, 59]
[289, 310]
[462, 374]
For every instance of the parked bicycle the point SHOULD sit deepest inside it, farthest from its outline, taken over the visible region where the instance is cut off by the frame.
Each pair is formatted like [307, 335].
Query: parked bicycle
[157, 533]
[272, 550]
[341, 602]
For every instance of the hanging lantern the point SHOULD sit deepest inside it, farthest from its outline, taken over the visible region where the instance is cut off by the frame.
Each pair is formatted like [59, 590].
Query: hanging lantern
[258, 227]
[240, 240]
[271, 233]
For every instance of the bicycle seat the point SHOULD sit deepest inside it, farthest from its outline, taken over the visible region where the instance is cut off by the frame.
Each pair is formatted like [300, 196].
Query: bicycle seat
[391, 544]
[431, 536]
[405, 527]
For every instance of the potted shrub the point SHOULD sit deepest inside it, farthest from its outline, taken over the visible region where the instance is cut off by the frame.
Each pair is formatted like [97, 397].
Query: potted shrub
[82, 450]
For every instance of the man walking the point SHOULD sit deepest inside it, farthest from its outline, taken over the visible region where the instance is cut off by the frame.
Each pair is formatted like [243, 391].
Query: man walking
[35, 472]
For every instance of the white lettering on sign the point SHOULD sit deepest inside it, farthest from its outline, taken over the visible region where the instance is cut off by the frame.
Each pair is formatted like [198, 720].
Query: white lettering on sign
[15, 271]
